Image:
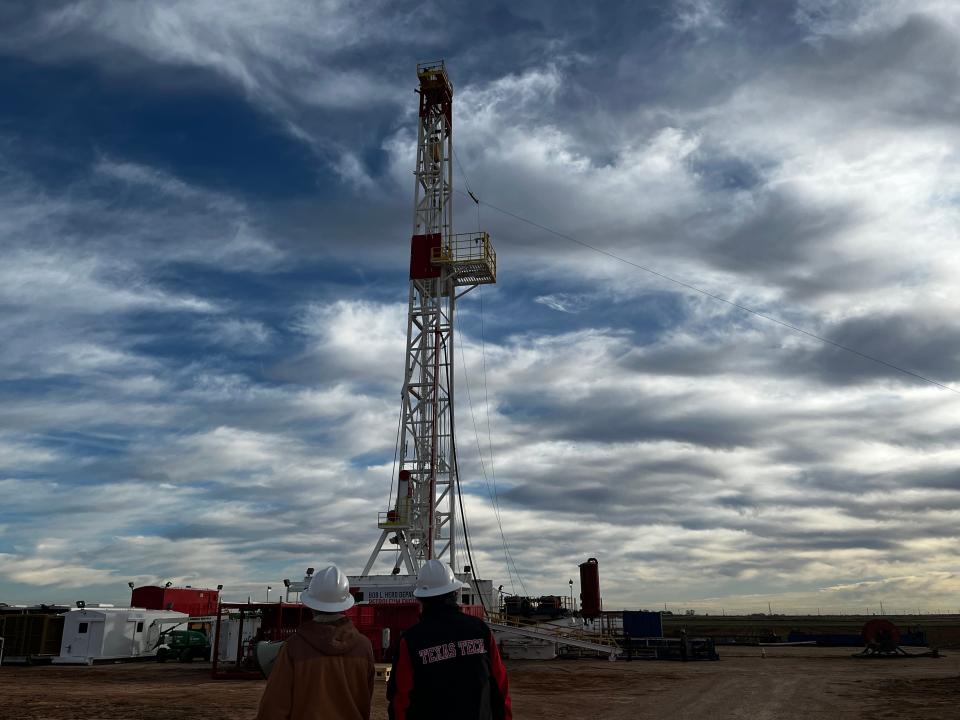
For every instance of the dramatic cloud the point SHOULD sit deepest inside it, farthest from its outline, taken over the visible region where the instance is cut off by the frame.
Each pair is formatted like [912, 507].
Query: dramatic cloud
[205, 207]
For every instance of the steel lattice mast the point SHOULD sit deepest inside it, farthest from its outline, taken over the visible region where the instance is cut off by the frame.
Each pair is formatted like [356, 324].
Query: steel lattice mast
[443, 268]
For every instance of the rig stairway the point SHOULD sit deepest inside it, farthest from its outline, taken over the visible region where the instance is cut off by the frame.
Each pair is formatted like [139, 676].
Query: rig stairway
[562, 635]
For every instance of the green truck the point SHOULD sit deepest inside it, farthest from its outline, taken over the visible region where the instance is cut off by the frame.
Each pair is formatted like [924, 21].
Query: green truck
[183, 646]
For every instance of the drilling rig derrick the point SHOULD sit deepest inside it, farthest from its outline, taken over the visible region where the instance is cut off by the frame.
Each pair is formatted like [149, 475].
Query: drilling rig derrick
[443, 267]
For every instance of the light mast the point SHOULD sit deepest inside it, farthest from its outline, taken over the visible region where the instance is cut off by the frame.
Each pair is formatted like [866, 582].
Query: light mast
[443, 268]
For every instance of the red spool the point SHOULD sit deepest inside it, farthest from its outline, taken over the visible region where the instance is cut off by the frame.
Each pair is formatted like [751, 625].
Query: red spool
[881, 635]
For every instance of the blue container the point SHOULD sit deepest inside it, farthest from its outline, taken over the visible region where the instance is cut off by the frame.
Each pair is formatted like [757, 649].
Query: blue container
[642, 623]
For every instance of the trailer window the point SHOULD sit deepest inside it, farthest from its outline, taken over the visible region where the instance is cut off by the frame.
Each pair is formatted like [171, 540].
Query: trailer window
[140, 626]
[82, 628]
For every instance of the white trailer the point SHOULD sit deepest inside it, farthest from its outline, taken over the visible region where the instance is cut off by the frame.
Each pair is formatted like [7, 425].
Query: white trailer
[99, 634]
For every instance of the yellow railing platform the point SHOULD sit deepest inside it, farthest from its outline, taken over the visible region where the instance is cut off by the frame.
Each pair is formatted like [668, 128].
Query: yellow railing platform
[470, 255]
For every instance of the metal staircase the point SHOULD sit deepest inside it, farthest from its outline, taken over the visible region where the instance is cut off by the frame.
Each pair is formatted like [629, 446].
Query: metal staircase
[559, 634]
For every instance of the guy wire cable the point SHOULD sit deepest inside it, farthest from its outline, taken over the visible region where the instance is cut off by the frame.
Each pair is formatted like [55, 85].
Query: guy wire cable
[463, 514]
[486, 400]
[720, 298]
[466, 532]
[396, 452]
[495, 498]
[508, 556]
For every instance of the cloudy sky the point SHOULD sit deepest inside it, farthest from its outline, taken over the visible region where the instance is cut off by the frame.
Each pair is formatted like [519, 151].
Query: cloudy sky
[205, 209]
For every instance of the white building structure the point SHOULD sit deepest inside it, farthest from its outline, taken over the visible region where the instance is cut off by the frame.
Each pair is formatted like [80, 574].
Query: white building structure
[107, 633]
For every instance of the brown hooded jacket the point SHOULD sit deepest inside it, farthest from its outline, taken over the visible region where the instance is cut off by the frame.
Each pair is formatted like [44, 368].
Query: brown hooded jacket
[325, 671]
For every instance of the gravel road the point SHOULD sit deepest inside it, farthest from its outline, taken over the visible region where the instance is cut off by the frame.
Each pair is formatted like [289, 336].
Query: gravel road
[789, 683]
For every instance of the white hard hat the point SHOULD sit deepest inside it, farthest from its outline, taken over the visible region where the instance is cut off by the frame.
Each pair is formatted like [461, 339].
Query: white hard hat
[435, 578]
[329, 591]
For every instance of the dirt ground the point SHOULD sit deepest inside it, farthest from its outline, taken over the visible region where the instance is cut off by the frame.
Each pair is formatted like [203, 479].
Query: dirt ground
[789, 683]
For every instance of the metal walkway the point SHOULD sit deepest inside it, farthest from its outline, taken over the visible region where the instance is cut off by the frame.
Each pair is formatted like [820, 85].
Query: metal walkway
[556, 634]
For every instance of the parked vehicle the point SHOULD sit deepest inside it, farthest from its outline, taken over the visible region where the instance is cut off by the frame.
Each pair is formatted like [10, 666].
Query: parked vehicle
[183, 646]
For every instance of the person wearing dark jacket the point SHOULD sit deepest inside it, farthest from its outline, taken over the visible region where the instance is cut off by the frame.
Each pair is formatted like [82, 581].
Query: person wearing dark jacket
[325, 671]
[448, 664]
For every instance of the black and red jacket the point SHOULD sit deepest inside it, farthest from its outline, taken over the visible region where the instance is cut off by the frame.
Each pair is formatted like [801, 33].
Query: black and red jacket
[448, 665]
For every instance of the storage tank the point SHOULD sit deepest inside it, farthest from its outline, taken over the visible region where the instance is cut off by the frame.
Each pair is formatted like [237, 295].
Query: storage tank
[590, 588]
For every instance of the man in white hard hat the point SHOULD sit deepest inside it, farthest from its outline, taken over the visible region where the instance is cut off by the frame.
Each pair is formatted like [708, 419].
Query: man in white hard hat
[325, 670]
[448, 664]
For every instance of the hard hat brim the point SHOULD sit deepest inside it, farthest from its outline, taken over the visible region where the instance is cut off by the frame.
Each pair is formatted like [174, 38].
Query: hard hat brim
[425, 592]
[332, 607]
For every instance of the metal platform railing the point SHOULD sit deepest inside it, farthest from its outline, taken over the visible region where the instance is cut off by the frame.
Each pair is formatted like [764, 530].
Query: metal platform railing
[398, 517]
[433, 74]
[472, 257]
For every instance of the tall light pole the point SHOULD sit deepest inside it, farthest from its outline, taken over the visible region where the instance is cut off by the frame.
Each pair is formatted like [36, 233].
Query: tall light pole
[572, 608]
[268, 592]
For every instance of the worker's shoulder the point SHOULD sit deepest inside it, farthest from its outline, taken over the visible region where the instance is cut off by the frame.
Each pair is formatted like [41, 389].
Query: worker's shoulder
[474, 622]
[365, 646]
[297, 648]
[457, 622]
[343, 641]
